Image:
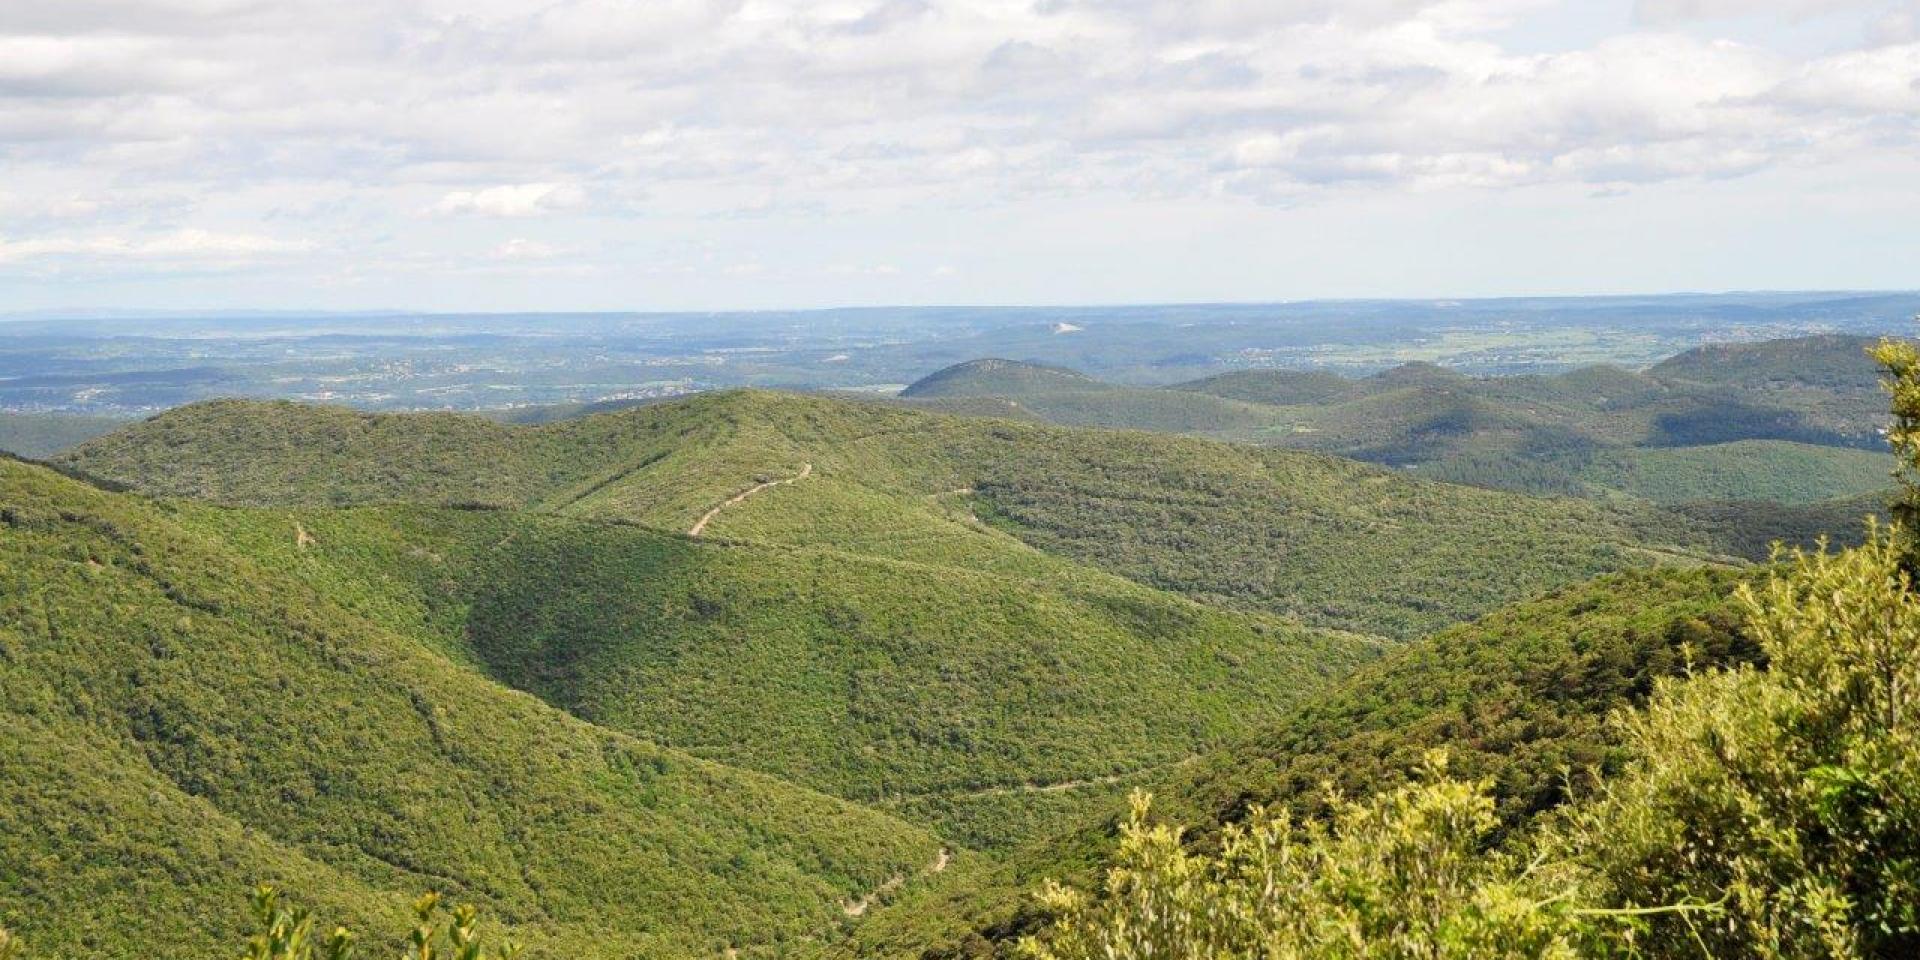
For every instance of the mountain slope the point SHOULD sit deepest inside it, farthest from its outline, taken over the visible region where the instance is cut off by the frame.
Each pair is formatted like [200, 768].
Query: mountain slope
[45, 434]
[926, 689]
[1520, 697]
[1272, 387]
[1831, 361]
[182, 722]
[1327, 541]
[1588, 432]
[999, 378]
[1071, 398]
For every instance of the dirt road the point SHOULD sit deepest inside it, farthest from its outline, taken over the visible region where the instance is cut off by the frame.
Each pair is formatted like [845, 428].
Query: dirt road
[700, 525]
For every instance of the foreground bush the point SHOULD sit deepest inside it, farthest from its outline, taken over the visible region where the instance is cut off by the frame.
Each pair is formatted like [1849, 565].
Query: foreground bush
[1788, 798]
[286, 933]
[1400, 875]
[1768, 813]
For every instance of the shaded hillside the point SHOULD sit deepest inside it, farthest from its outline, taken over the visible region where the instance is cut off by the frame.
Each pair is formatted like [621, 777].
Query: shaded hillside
[1324, 540]
[1599, 431]
[1519, 697]
[1000, 378]
[1329, 541]
[1749, 528]
[40, 435]
[181, 722]
[1272, 387]
[927, 689]
[1070, 398]
[1771, 470]
[1829, 361]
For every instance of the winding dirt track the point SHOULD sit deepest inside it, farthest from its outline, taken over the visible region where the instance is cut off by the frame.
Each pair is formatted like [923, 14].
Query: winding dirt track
[855, 908]
[700, 525]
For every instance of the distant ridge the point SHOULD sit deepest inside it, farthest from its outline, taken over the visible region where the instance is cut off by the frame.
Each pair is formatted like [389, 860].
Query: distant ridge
[1826, 360]
[993, 376]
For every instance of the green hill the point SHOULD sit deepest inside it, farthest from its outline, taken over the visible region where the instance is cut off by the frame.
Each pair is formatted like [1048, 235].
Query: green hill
[1070, 398]
[1777, 471]
[37, 435]
[1520, 697]
[857, 630]
[1326, 541]
[772, 644]
[1272, 387]
[932, 691]
[179, 721]
[999, 378]
[1828, 361]
[1802, 412]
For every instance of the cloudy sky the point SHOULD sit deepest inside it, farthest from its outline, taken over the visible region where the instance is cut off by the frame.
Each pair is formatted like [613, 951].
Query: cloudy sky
[653, 154]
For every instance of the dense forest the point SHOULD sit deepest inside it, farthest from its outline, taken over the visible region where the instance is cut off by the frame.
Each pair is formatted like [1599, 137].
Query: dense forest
[1785, 421]
[808, 676]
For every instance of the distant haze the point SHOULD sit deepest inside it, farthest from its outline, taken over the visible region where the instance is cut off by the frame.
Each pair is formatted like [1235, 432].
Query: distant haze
[490, 155]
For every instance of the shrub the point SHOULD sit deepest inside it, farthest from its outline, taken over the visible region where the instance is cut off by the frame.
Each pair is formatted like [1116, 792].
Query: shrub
[1767, 813]
[1787, 798]
[1401, 875]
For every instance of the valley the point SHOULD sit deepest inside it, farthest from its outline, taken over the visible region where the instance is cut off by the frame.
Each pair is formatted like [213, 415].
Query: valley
[936, 645]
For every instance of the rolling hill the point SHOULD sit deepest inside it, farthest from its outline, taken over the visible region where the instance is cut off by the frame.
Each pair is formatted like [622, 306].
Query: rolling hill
[856, 629]
[910, 649]
[923, 689]
[1322, 540]
[1520, 697]
[1790, 421]
[37, 435]
[182, 721]
[994, 377]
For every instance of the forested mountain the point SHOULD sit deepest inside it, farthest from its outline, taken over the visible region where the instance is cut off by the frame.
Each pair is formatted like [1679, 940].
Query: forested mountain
[182, 721]
[1786, 421]
[1323, 540]
[1520, 697]
[45, 434]
[842, 677]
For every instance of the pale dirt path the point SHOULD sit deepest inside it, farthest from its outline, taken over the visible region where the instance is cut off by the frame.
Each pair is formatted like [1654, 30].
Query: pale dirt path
[700, 525]
[855, 908]
[1058, 786]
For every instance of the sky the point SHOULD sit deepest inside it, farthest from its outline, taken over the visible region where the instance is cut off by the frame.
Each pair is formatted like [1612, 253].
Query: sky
[745, 154]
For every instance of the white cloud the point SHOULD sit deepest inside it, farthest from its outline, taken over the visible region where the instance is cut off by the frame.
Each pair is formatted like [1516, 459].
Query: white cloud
[520, 248]
[513, 200]
[179, 245]
[356, 118]
[1678, 11]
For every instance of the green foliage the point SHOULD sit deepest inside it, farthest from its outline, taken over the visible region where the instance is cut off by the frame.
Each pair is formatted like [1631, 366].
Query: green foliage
[960, 698]
[1751, 528]
[1327, 541]
[1278, 388]
[1787, 421]
[1901, 362]
[936, 622]
[180, 720]
[1789, 797]
[1517, 699]
[1399, 875]
[1769, 470]
[286, 933]
[1825, 361]
[1001, 378]
[37, 435]
[1769, 813]
[1197, 517]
